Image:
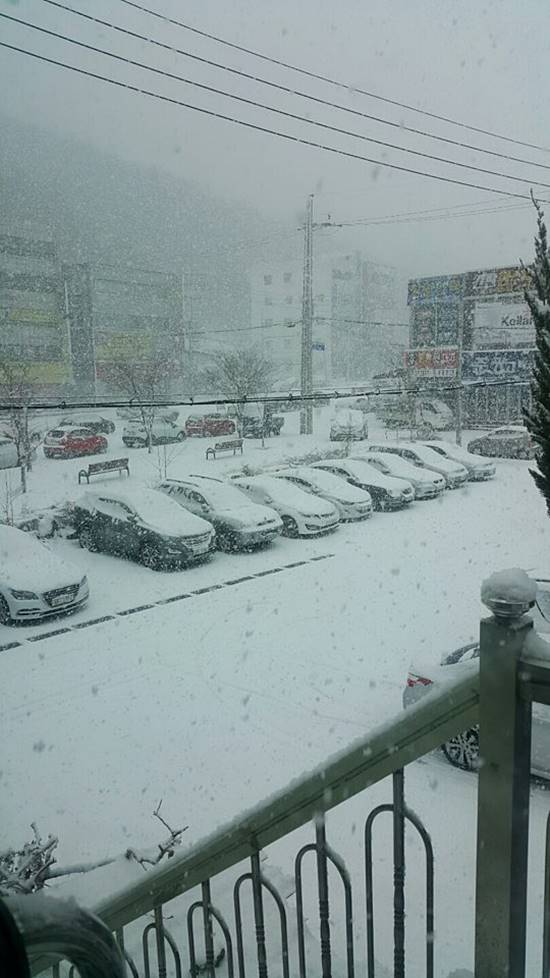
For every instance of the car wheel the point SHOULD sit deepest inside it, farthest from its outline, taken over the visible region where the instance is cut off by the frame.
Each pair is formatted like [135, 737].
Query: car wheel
[180, 436]
[225, 543]
[150, 557]
[5, 615]
[462, 751]
[87, 540]
[290, 526]
[102, 449]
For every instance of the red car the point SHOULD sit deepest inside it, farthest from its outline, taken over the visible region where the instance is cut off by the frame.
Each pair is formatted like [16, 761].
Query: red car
[209, 425]
[69, 442]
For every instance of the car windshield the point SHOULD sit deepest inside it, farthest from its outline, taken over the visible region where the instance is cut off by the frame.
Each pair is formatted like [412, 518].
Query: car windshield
[224, 496]
[255, 257]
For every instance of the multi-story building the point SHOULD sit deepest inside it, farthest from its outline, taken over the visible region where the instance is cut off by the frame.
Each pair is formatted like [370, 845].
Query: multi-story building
[34, 335]
[475, 326]
[359, 315]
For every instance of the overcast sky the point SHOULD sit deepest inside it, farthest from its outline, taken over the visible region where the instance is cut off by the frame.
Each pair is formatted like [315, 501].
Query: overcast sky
[486, 64]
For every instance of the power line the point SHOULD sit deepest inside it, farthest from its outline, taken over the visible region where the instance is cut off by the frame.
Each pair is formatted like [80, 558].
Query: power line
[264, 129]
[292, 91]
[325, 394]
[330, 81]
[261, 105]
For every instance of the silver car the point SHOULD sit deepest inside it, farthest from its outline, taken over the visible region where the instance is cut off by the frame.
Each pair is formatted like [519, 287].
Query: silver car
[426, 485]
[352, 503]
[455, 475]
[462, 751]
[34, 582]
[478, 470]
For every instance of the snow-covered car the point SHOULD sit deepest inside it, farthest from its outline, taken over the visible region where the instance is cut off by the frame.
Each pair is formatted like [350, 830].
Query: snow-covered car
[348, 426]
[142, 524]
[386, 492]
[303, 515]
[463, 750]
[478, 471]
[514, 441]
[426, 485]
[163, 432]
[455, 475]
[239, 523]
[352, 503]
[94, 422]
[8, 453]
[34, 582]
[73, 442]
[209, 425]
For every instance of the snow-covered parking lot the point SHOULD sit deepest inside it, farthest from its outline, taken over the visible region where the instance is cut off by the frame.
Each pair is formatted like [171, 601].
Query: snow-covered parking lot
[266, 663]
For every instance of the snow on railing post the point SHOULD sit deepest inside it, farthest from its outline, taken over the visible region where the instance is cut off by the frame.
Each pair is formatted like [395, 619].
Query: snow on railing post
[503, 790]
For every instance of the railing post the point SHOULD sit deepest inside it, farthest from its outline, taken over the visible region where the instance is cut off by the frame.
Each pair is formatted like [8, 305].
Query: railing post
[399, 874]
[503, 790]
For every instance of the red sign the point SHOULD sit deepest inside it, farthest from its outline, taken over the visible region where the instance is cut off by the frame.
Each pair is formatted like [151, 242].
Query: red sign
[438, 362]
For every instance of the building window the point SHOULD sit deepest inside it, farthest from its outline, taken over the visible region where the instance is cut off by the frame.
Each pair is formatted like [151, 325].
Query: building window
[268, 279]
[268, 300]
[289, 300]
[289, 322]
[287, 277]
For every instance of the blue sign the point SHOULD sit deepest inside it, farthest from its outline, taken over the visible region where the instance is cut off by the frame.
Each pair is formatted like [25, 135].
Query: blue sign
[318, 346]
[497, 364]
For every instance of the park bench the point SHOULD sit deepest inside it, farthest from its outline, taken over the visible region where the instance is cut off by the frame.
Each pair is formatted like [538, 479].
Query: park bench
[119, 465]
[234, 445]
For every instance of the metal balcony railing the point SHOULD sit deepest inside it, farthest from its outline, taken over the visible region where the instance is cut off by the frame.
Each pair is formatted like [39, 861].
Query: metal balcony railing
[177, 902]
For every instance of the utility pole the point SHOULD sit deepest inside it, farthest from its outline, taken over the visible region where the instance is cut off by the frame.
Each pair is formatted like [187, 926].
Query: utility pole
[306, 415]
[460, 344]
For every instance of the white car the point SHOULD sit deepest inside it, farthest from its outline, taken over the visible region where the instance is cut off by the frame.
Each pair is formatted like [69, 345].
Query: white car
[239, 523]
[386, 493]
[426, 485]
[351, 503]
[478, 470]
[34, 582]
[163, 432]
[303, 515]
[348, 426]
[455, 475]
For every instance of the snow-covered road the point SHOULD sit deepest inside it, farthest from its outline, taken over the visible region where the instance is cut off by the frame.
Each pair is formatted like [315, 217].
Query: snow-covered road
[213, 701]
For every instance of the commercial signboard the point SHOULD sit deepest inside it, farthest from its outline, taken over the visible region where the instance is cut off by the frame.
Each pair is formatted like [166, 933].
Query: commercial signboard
[494, 281]
[502, 323]
[494, 365]
[437, 362]
[442, 288]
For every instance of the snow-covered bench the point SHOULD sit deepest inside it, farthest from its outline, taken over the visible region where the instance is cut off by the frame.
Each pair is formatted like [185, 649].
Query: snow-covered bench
[119, 465]
[234, 445]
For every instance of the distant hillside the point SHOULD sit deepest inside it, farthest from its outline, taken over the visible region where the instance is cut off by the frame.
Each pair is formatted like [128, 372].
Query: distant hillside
[100, 208]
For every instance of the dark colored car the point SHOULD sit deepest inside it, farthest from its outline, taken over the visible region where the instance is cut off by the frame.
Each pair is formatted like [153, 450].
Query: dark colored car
[71, 442]
[99, 426]
[209, 425]
[514, 441]
[144, 525]
[270, 424]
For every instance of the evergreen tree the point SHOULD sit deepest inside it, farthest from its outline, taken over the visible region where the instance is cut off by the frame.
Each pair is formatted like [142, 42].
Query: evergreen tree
[537, 297]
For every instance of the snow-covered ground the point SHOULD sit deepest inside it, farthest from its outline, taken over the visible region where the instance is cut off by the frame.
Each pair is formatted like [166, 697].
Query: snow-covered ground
[215, 700]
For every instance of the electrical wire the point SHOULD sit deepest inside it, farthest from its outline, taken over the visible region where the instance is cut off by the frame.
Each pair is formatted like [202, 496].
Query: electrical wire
[264, 129]
[57, 404]
[292, 91]
[268, 108]
[331, 81]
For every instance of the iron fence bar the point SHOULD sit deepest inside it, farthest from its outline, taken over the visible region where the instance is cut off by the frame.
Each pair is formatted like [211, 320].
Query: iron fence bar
[546, 907]
[322, 883]
[159, 939]
[340, 867]
[131, 964]
[369, 887]
[310, 847]
[413, 818]
[239, 922]
[257, 897]
[284, 928]
[414, 733]
[193, 969]
[398, 874]
[228, 942]
[208, 932]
